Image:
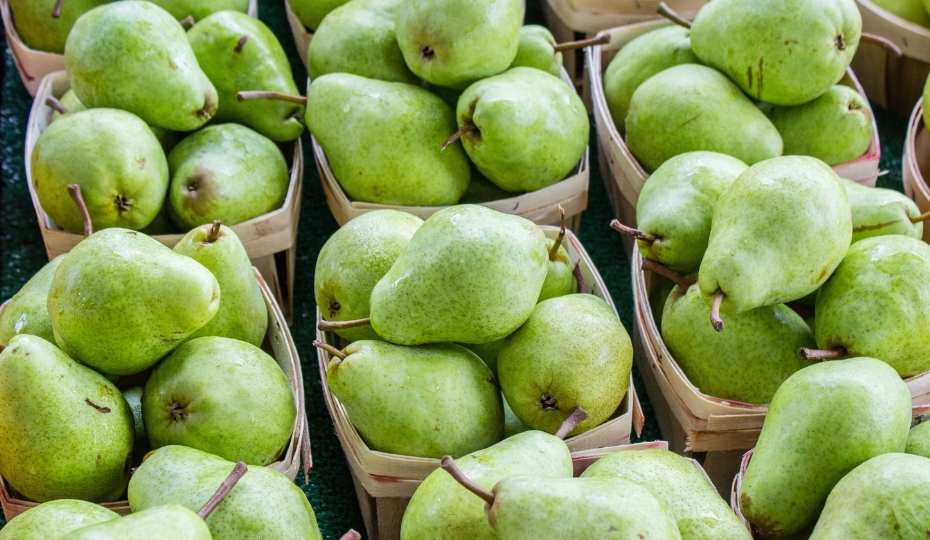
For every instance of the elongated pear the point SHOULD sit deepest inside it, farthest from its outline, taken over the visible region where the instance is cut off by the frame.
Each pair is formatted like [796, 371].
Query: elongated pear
[242, 314]
[67, 431]
[498, 263]
[25, 312]
[238, 52]
[120, 301]
[823, 421]
[880, 212]
[54, 519]
[457, 401]
[200, 9]
[684, 488]
[133, 55]
[778, 233]
[39, 29]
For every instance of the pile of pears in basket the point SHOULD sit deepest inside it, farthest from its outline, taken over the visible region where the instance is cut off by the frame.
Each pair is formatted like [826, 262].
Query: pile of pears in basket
[131, 370]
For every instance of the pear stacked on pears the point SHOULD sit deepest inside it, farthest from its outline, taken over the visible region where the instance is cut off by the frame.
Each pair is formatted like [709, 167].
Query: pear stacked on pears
[54, 519]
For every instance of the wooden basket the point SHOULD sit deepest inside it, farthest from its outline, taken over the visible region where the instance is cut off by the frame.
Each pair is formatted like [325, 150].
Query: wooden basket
[33, 65]
[279, 344]
[270, 240]
[917, 162]
[624, 176]
[540, 206]
[385, 482]
[302, 34]
[891, 82]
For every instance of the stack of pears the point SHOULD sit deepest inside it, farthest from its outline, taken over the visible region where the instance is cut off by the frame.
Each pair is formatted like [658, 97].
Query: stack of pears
[116, 131]
[413, 100]
[451, 312]
[680, 89]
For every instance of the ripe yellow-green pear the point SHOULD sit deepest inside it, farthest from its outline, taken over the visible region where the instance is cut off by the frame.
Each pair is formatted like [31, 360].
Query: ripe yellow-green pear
[40, 29]
[55, 519]
[26, 312]
[880, 212]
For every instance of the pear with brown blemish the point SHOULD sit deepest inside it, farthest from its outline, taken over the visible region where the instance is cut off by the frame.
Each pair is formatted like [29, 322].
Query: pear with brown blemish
[225, 172]
[65, 431]
[880, 212]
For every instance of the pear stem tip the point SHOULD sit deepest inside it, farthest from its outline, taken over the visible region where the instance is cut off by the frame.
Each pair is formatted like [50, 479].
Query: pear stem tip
[74, 191]
[554, 250]
[56, 11]
[579, 278]
[715, 311]
[53, 103]
[883, 42]
[228, 484]
[836, 353]
[214, 233]
[578, 416]
[448, 464]
[187, 22]
[329, 326]
[670, 14]
[330, 349]
[455, 136]
[241, 43]
[249, 95]
[582, 43]
[630, 231]
[351, 535]
[658, 268]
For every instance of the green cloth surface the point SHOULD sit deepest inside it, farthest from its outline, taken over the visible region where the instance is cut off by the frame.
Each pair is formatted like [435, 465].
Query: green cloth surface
[330, 489]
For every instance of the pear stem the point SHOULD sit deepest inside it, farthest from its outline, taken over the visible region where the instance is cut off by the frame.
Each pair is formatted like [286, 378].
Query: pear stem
[922, 217]
[715, 311]
[578, 416]
[579, 277]
[241, 44]
[835, 353]
[882, 42]
[351, 535]
[658, 268]
[329, 326]
[214, 233]
[249, 95]
[75, 191]
[630, 231]
[448, 464]
[330, 349]
[187, 22]
[228, 484]
[455, 136]
[554, 250]
[670, 14]
[2, 347]
[582, 43]
[56, 11]
[53, 103]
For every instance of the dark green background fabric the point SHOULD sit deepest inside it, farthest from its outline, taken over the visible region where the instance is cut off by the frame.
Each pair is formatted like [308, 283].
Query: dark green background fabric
[330, 490]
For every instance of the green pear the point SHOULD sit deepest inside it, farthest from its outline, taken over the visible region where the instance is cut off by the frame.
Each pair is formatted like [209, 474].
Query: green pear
[140, 447]
[55, 519]
[456, 402]
[676, 206]
[680, 484]
[358, 38]
[120, 301]
[25, 312]
[823, 421]
[560, 279]
[874, 303]
[885, 498]
[523, 129]
[242, 314]
[352, 262]
[778, 233]
[749, 361]
[384, 141]
[264, 504]
[481, 190]
[238, 52]
[222, 396]
[133, 55]
[67, 431]
[536, 49]
[312, 12]
[785, 52]
[200, 9]
[880, 212]
[572, 352]
[44, 24]
[658, 296]
[487, 352]
[455, 43]
[691, 107]
[116, 160]
[918, 440]
[909, 10]
[225, 172]
[835, 127]
[442, 508]
[498, 263]
[640, 59]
